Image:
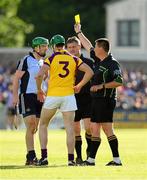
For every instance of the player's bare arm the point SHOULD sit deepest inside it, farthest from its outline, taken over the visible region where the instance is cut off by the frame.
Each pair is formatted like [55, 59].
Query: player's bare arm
[39, 78]
[18, 75]
[85, 42]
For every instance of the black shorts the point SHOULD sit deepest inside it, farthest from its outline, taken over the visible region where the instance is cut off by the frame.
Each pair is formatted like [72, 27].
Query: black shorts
[29, 105]
[84, 106]
[102, 110]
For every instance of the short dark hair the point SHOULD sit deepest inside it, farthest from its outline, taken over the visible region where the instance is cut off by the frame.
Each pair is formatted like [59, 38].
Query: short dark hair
[104, 43]
[72, 40]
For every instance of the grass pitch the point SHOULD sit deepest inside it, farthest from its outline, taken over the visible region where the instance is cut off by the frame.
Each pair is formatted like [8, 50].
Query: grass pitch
[132, 145]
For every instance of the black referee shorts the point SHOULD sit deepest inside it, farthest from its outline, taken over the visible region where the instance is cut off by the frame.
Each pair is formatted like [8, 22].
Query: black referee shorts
[84, 106]
[102, 110]
[29, 105]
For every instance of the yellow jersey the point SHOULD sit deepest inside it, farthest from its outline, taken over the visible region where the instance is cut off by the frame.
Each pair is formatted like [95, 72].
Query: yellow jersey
[62, 72]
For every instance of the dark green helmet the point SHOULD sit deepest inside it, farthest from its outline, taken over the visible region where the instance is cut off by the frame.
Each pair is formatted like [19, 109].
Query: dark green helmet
[39, 41]
[57, 39]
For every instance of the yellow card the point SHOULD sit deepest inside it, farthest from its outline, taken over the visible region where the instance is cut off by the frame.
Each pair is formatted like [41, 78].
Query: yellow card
[77, 19]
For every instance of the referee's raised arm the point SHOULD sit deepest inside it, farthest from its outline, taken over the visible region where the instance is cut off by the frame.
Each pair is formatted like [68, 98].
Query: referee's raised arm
[85, 42]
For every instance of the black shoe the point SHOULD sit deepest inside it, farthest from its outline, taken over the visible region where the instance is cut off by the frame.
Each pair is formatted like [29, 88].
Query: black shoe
[31, 162]
[43, 162]
[87, 163]
[79, 161]
[71, 163]
[113, 163]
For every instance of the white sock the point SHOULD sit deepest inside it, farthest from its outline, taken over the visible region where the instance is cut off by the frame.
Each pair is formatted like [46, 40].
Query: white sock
[91, 160]
[117, 160]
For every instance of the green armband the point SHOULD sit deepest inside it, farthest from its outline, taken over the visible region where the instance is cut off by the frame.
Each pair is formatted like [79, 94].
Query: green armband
[118, 79]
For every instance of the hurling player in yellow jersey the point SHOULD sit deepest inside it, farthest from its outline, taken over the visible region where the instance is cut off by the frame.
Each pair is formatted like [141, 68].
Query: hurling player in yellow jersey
[62, 68]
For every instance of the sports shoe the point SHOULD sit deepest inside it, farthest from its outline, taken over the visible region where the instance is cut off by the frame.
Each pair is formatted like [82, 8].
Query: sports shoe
[87, 163]
[31, 162]
[71, 163]
[113, 163]
[79, 161]
[43, 162]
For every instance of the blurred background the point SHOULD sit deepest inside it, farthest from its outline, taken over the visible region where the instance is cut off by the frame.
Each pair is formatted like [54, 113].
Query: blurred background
[124, 22]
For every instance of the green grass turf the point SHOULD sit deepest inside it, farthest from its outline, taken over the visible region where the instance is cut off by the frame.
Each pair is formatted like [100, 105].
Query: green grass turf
[132, 145]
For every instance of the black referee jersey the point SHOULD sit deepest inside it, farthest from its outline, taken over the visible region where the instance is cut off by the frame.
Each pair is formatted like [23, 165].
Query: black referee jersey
[105, 71]
[79, 75]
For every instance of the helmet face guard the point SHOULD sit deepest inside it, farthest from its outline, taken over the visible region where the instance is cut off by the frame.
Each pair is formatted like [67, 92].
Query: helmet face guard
[37, 41]
[57, 40]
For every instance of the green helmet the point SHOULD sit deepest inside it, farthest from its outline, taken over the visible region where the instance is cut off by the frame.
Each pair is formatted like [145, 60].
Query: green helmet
[39, 41]
[57, 39]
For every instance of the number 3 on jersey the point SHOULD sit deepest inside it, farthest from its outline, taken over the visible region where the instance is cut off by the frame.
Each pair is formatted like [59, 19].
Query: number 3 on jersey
[65, 65]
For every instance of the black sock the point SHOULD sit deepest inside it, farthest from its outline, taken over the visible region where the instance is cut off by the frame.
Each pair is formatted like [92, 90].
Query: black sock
[78, 146]
[95, 143]
[113, 142]
[44, 153]
[70, 157]
[31, 155]
[88, 140]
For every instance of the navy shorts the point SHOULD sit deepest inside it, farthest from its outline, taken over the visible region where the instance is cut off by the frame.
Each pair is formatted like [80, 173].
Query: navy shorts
[84, 106]
[102, 110]
[29, 105]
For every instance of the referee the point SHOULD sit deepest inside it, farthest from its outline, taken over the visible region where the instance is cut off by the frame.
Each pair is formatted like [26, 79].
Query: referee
[83, 99]
[25, 93]
[107, 77]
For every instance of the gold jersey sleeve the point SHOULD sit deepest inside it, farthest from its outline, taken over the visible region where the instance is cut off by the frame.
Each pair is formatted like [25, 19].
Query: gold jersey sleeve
[63, 68]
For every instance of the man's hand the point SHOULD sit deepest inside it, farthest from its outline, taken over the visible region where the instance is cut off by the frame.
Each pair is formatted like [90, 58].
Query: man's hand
[77, 88]
[77, 27]
[15, 99]
[95, 88]
[41, 96]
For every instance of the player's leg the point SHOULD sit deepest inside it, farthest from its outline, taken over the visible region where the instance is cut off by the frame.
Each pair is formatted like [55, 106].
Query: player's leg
[46, 116]
[28, 109]
[113, 142]
[30, 123]
[68, 107]
[87, 134]
[48, 110]
[70, 138]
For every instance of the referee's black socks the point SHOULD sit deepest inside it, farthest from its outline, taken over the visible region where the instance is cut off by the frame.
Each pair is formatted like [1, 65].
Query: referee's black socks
[78, 146]
[113, 142]
[88, 140]
[95, 143]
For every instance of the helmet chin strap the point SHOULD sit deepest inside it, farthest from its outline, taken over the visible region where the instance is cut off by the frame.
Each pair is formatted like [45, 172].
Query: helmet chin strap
[39, 53]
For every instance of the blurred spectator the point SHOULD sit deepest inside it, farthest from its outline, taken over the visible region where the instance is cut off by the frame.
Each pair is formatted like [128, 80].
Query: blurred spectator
[6, 75]
[133, 95]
